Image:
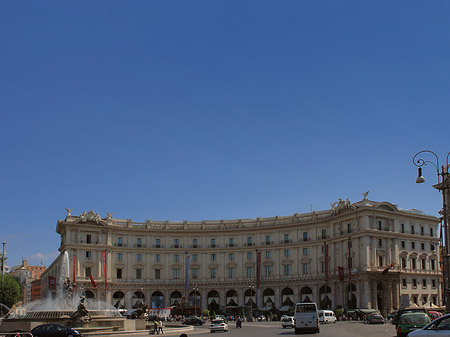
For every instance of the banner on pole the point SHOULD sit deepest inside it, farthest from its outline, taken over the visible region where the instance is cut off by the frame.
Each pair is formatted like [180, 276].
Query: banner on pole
[258, 269]
[104, 269]
[326, 264]
[341, 273]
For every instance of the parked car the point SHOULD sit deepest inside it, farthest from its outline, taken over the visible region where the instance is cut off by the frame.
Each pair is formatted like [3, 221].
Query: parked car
[411, 322]
[439, 327]
[406, 311]
[288, 322]
[218, 325]
[376, 319]
[434, 314]
[54, 330]
[193, 321]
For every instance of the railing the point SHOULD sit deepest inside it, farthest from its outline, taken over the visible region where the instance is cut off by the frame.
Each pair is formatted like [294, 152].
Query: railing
[139, 245]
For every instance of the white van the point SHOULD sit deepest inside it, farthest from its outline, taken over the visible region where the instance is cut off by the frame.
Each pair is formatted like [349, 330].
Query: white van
[327, 316]
[306, 318]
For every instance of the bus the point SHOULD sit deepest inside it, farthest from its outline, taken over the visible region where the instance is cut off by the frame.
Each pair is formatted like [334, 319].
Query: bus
[306, 318]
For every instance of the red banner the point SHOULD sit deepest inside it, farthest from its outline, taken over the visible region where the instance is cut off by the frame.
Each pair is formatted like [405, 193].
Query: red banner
[51, 282]
[326, 264]
[341, 273]
[385, 271]
[104, 269]
[258, 269]
[93, 281]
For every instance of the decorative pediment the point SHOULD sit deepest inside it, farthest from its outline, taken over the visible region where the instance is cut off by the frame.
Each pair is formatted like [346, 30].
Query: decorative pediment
[87, 218]
[231, 265]
[249, 264]
[158, 266]
[213, 266]
[286, 261]
[176, 266]
[267, 263]
[341, 205]
[306, 260]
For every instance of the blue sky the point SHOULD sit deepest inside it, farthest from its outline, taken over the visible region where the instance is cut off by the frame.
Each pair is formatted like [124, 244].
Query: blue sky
[194, 110]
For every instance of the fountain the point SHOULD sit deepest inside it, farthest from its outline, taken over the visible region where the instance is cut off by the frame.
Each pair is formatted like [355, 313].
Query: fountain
[90, 315]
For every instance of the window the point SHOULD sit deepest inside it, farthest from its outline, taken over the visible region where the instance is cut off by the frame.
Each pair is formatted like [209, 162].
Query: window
[138, 242]
[88, 254]
[231, 272]
[413, 245]
[249, 241]
[268, 254]
[349, 228]
[424, 264]
[415, 299]
[413, 263]
[267, 239]
[213, 272]
[88, 238]
[403, 244]
[414, 283]
[422, 245]
[431, 231]
[176, 257]
[213, 257]
[176, 243]
[323, 249]
[379, 225]
[287, 269]
[422, 230]
[305, 251]
[249, 271]
[268, 270]
[213, 243]
[402, 228]
[119, 256]
[433, 264]
[176, 274]
[249, 256]
[286, 238]
[412, 229]
[157, 274]
[158, 243]
[306, 268]
[139, 257]
[404, 283]
[323, 265]
[138, 274]
[433, 283]
[158, 257]
[231, 256]
[403, 262]
[432, 247]
[194, 273]
[305, 236]
[324, 233]
[231, 242]
[119, 241]
[119, 273]
[194, 257]
[194, 243]
[380, 261]
[424, 283]
[286, 252]
[380, 243]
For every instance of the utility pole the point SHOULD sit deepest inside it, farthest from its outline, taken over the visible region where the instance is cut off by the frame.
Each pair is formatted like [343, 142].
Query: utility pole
[3, 269]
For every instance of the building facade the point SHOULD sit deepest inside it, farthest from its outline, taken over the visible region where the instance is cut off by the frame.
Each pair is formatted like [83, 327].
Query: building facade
[356, 255]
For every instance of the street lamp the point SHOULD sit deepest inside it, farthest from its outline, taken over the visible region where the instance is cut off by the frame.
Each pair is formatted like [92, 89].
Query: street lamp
[251, 286]
[443, 185]
[195, 288]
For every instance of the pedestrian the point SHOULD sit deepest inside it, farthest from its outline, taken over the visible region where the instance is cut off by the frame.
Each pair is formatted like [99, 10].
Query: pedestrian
[155, 327]
[160, 326]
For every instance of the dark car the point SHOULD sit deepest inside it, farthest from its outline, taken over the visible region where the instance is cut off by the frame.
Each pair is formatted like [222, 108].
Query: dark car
[406, 311]
[193, 321]
[54, 330]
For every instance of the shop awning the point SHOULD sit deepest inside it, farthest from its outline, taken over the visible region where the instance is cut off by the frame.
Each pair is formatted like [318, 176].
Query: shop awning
[285, 308]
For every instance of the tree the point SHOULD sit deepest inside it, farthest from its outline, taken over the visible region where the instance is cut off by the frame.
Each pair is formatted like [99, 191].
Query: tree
[11, 292]
[205, 312]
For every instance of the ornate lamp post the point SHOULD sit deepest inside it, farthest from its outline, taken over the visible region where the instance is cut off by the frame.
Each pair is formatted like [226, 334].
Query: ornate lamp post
[195, 288]
[251, 286]
[443, 185]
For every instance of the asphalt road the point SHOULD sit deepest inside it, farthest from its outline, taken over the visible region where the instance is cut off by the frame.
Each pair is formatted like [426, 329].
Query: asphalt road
[274, 329]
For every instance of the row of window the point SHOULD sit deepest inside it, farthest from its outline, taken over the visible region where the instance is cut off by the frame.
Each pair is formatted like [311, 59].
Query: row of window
[415, 283]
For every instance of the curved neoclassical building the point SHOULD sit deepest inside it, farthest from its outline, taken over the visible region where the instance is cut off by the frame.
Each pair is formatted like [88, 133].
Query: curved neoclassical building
[340, 256]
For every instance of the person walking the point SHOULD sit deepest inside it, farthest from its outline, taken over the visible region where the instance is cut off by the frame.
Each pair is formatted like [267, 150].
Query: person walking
[155, 327]
[160, 323]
